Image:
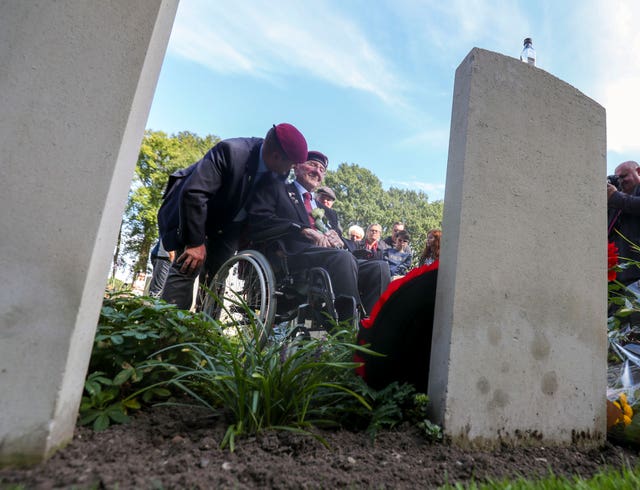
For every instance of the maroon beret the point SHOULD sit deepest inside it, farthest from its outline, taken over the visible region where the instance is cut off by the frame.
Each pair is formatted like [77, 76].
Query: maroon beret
[292, 142]
[318, 157]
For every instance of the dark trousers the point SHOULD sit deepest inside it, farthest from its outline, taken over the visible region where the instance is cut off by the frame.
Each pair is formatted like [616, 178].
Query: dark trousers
[364, 280]
[161, 268]
[373, 279]
[339, 264]
[178, 288]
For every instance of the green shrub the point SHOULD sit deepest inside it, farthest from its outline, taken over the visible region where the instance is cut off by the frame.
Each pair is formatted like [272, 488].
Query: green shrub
[294, 385]
[145, 351]
[124, 373]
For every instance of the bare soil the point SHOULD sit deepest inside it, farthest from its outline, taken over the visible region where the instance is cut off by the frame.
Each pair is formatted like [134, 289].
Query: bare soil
[178, 447]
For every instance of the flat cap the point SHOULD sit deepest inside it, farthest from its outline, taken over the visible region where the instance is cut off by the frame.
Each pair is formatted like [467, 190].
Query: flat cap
[316, 156]
[292, 142]
[327, 191]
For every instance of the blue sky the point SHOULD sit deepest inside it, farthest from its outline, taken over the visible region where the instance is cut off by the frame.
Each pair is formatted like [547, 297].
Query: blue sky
[371, 82]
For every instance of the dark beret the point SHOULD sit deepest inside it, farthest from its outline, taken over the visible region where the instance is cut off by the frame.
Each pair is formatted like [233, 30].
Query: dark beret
[292, 142]
[316, 156]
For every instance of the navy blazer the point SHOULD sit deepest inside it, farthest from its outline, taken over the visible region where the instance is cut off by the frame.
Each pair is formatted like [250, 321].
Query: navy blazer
[277, 212]
[204, 199]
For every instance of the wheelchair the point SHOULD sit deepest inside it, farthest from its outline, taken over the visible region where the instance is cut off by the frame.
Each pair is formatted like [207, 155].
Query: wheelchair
[254, 294]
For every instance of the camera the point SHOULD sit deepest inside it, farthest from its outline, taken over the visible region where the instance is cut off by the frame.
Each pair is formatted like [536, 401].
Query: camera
[614, 180]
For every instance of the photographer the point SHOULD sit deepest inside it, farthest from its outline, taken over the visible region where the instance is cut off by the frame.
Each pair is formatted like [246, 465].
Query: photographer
[623, 205]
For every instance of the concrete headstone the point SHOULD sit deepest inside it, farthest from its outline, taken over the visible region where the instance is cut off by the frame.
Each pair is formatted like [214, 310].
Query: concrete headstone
[519, 347]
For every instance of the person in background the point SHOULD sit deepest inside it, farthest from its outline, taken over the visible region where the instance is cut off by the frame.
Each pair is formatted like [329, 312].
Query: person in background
[161, 262]
[431, 251]
[372, 241]
[325, 196]
[399, 260]
[390, 240]
[204, 208]
[356, 234]
[623, 208]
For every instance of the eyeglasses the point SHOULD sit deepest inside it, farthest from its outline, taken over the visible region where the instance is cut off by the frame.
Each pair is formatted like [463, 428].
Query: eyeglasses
[404, 241]
[375, 231]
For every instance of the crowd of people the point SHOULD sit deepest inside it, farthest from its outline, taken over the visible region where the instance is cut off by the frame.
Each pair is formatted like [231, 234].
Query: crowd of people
[242, 192]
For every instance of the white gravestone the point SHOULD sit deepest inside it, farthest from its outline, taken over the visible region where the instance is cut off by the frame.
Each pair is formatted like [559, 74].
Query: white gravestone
[76, 82]
[519, 347]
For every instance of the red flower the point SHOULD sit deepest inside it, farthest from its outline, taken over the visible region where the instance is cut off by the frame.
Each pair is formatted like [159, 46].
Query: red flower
[612, 261]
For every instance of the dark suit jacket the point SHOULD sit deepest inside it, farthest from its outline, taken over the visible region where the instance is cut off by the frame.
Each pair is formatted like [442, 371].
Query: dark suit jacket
[203, 200]
[331, 219]
[624, 217]
[277, 213]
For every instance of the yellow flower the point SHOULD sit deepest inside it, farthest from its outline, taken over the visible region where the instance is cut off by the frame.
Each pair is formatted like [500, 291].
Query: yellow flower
[627, 412]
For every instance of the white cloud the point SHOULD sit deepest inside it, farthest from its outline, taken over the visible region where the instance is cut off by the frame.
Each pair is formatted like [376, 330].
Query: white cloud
[454, 27]
[435, 191]
[615, 64]
[435, 138]
[209, 49]
[276, 39]
[623, 111]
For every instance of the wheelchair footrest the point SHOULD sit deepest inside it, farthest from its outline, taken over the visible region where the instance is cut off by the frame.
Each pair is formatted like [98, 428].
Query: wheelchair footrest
[346, 309]
[320, 295]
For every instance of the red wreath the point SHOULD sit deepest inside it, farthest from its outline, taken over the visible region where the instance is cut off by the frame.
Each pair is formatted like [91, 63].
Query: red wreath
[377, 324]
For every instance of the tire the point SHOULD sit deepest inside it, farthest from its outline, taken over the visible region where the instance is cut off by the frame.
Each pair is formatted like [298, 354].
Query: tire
[241, 296]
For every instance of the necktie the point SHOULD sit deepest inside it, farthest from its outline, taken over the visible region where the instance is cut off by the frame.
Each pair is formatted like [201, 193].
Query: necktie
[307, 205]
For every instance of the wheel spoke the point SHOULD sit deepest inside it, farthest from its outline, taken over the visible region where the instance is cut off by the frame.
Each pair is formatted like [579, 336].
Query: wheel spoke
[243, 295]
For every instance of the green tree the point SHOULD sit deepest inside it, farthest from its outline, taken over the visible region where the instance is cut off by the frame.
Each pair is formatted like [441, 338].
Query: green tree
[416, 212]
[160, 155]
[360, 198]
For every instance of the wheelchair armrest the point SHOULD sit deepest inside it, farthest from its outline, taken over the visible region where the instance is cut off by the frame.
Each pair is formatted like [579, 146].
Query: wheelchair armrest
[274, 233]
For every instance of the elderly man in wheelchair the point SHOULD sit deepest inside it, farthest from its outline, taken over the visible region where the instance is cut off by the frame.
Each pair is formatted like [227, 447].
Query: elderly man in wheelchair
[303, 264]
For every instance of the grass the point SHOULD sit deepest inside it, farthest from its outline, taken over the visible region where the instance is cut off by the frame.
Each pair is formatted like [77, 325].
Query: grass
[625, 479]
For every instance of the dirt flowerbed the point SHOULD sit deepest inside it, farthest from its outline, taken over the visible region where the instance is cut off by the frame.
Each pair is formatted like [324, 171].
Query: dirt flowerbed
[169, 447]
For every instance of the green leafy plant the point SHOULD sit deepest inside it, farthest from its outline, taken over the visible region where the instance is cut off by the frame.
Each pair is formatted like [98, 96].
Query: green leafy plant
[145, 351]
[395, 404]
[293, 386]
[101, 406]
[124, 374]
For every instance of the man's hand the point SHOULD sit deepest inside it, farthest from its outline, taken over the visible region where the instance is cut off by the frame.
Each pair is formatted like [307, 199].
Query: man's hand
[316, 237]
[192, 259]
[610, 190]
[330, 239]
[334, 239]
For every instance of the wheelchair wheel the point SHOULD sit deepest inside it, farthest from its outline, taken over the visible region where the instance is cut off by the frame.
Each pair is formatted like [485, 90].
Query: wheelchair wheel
[241, 296]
